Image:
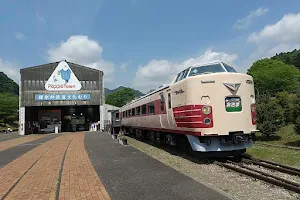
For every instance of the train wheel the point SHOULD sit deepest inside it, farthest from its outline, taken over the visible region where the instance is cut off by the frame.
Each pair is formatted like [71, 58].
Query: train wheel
[152, 136]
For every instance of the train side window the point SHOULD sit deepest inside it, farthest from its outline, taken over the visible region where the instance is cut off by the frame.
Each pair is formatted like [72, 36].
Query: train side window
[162, 103]
[138, 110]
[144, 111]
[133, 111]
[151, 108]
[185, 73]
[169, 100]
[117, 115]
[178, 77]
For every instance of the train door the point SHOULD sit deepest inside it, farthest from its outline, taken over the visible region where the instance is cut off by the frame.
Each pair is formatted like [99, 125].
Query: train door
[169, 110]
[162, 110]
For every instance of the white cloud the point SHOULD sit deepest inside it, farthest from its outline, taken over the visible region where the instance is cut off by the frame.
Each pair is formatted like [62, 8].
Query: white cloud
[285, 30]
[123, 67]
[282, 36]
[20, 36]
[82, 50]
[40, 18]
[12, 70]
[158, 72]
[244, 23]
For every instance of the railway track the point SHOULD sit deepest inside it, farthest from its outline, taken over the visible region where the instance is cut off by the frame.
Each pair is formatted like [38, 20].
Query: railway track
[242, 166]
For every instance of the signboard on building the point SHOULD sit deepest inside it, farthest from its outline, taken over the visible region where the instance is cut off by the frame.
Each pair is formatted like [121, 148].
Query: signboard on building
[62, 97]
[63, 79]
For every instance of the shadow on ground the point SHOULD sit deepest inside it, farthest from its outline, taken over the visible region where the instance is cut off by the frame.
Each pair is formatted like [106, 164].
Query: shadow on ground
[294, 144]
[265, 138]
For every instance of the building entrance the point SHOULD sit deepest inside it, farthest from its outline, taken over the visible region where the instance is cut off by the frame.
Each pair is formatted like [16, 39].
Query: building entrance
[66, 118]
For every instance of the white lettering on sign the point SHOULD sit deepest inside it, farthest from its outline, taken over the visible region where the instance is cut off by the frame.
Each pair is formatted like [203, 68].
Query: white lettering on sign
[63, 79]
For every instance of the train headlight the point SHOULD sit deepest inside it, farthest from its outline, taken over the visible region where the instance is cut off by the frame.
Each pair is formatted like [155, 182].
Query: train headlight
[206, 110]
[207, 121]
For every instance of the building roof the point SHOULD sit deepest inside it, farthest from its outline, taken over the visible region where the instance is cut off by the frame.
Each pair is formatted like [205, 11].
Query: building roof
[49, 64]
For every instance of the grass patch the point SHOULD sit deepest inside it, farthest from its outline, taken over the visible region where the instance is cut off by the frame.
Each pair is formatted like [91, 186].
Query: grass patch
[285, 136]
[279, 155]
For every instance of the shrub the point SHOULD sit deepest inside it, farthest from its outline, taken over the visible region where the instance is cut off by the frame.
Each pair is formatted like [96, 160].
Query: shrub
[270, 116]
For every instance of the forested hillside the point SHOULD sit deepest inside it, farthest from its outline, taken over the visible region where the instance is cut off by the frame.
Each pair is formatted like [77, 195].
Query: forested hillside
[107, 91]
[7, 85]
[277, 88]
[290, 58]
[9, 102]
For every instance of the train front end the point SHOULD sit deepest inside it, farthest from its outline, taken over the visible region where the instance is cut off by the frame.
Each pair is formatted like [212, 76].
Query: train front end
[220, 104]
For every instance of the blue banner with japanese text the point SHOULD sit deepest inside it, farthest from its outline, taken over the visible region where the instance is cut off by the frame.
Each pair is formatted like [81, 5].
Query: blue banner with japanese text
[62, 97]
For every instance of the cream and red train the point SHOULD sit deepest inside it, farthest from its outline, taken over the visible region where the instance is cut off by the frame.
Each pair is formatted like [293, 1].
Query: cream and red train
[206, 108]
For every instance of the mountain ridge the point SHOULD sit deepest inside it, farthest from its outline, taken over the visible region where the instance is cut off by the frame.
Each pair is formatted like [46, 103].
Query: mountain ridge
[107, 91]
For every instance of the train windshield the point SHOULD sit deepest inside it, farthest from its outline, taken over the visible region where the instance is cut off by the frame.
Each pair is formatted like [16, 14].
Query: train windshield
[207, 69]
[228, 68]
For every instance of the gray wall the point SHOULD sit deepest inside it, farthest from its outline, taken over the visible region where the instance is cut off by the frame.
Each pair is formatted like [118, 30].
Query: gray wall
[33, 80]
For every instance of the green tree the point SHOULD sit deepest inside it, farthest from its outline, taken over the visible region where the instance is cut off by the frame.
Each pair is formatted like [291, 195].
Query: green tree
[274, 75]
[270, 116]
[290, 58]
[7, 85]
[288, 103]
[9, 105]
[120, 97]
[297, 113]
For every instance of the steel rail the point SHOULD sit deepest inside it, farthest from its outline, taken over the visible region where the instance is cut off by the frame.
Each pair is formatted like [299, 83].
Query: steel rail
[265, 178]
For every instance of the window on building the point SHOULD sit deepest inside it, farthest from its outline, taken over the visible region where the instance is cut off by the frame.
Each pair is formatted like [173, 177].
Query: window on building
[138, 110]
[151, 108]
[169, 100]
[133, 111]
[144, 111]
[162, 103]
[117, 115]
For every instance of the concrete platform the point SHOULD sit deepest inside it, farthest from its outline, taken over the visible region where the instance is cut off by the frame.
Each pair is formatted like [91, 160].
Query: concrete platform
[128, 173]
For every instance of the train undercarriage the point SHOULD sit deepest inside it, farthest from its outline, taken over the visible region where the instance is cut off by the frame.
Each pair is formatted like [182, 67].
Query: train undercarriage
[233, 144]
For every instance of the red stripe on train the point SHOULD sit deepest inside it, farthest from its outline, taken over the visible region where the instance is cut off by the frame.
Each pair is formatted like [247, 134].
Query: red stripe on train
[195, 133]
[187, 107]
[193, 125]
[189, 119]
[188, 113]
[191, 116]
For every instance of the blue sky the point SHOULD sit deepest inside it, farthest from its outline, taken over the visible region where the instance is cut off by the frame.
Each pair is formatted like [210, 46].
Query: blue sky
[144, 43]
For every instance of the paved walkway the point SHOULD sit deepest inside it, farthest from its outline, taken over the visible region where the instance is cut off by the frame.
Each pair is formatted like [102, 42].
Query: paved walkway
[44, 172]
[79, 179]
[70, 166]
[11, 154]
[131, 174]
[15, 142]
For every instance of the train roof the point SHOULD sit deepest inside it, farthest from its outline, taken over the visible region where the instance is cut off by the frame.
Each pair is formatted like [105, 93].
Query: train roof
[164, 86]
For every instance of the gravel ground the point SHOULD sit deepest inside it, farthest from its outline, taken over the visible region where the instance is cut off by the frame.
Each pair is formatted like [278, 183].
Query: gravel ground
[237, 185]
